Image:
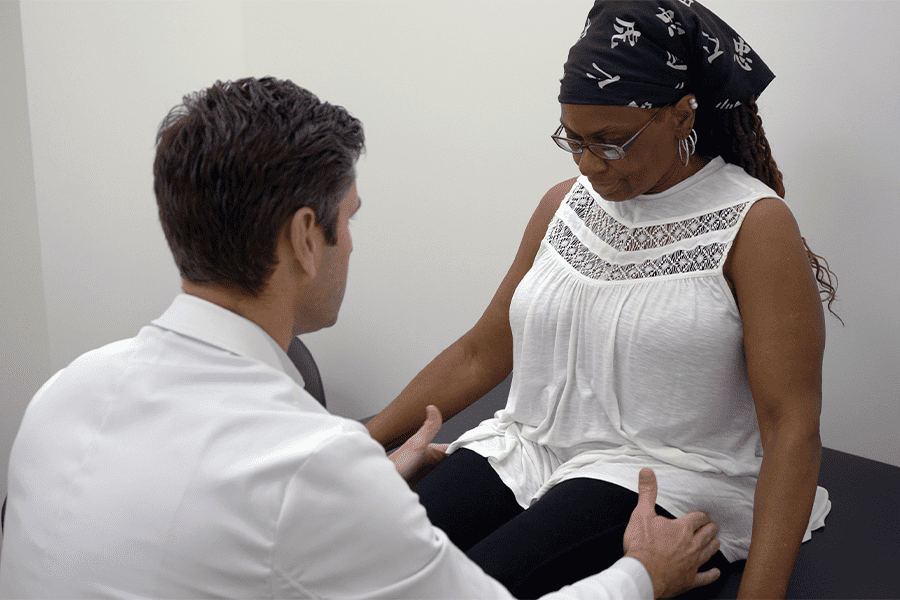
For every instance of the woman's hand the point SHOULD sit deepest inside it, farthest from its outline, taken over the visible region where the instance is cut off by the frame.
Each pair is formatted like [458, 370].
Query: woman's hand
[417, 457]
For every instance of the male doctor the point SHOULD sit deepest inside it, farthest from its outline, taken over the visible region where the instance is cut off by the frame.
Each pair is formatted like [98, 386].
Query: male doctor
[189, 461]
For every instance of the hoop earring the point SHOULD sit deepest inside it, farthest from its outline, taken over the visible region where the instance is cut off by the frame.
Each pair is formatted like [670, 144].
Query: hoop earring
[687, 146]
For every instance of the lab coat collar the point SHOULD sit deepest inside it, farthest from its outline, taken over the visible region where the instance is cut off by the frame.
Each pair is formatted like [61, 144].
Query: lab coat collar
[212, 324]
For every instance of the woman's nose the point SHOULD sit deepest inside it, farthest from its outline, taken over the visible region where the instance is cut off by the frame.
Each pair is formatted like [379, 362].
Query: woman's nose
[589, 163]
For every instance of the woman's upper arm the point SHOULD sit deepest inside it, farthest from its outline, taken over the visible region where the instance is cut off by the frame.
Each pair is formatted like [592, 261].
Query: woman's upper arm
[492, 335]
[784, 328]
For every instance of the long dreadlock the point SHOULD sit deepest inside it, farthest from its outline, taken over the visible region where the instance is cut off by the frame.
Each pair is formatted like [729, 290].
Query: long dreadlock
[737, 136]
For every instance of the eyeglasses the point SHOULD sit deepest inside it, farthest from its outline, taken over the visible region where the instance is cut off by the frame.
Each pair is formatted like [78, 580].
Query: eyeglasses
[604, 151]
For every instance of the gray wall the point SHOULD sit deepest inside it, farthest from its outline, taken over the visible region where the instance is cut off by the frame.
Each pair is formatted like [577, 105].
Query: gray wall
[458, 100]
[24, 341]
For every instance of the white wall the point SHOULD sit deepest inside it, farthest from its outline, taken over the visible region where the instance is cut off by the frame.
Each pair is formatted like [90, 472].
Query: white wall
[458, 106]
[458, 100]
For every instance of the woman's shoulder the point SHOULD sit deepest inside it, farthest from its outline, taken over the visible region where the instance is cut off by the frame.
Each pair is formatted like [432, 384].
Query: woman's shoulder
[539, 222]
[769, 224]
[562, 188]
[553, 198]
[767, 239]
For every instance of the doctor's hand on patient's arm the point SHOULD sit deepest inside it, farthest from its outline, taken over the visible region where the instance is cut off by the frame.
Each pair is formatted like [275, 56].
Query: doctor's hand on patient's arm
[417, 457]
[672, 550]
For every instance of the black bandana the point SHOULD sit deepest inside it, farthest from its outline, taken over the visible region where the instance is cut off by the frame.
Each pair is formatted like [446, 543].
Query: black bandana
[652, 53]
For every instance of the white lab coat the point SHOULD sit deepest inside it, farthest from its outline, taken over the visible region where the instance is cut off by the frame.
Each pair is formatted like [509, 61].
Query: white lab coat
[190, 462]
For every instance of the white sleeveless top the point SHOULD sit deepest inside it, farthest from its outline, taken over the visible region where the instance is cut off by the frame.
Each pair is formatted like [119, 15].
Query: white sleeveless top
[628, 353]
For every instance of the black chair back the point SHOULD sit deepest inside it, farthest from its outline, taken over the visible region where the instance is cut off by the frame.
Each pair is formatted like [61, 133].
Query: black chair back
[303, 360]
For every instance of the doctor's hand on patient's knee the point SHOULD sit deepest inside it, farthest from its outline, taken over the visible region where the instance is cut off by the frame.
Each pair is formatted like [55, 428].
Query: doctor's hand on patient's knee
[672, 550]
[417, 457]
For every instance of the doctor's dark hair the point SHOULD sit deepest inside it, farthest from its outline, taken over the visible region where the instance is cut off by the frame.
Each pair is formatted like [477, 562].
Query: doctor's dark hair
[234, 163]
[737, 136]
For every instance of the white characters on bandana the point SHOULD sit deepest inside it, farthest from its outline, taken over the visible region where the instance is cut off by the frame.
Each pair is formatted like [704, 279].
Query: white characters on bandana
[726, 105]
[668, 17]
[609, 78]
[716, 53]
[584, 31]
[740, 49]
[626, 33]
[673, 62]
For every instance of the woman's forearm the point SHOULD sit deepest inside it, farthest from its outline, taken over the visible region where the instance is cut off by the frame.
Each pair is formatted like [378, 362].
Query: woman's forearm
[456, 378]
[785, 492]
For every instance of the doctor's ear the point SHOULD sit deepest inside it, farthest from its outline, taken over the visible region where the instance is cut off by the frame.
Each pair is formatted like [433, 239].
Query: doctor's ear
[306, 240]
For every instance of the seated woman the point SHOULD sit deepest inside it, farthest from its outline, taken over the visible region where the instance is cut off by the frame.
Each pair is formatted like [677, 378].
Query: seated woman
[661, 312]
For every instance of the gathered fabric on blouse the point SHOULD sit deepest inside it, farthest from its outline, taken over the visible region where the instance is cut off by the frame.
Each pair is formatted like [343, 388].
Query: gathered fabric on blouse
[628, 353]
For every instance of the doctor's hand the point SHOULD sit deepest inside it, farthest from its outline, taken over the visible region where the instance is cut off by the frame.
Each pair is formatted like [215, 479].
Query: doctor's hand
[417, 457]
[672, 550]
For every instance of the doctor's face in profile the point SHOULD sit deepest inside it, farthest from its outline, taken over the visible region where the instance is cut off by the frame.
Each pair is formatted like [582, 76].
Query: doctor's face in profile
[336, 260]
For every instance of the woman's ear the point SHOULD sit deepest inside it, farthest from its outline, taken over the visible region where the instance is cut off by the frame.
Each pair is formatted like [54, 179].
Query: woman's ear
[684, 115]
[306, 240]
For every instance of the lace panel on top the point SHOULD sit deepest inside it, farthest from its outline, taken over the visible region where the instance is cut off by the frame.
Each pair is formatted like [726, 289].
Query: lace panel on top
[628, 239]
[624, 239]
[701, 258]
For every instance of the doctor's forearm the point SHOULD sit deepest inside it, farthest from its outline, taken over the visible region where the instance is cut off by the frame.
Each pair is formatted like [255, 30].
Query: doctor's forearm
[785, 492]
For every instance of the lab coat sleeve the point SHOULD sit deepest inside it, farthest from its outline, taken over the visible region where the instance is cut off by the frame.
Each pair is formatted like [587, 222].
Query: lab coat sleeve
[350, 527]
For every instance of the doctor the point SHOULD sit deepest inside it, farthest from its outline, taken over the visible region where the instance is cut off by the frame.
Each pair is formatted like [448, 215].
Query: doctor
[189, 461]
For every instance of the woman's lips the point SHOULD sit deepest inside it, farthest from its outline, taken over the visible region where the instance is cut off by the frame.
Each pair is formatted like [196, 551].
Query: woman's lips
[601, 187]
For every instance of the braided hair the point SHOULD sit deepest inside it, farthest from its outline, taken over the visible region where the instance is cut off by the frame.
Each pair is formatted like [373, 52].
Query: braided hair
[737, 136]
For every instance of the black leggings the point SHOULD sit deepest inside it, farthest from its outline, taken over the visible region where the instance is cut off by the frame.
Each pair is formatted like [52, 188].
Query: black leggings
[573, 531]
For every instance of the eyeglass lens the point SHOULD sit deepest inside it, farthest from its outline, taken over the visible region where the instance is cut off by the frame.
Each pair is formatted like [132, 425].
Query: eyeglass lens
[575, 147]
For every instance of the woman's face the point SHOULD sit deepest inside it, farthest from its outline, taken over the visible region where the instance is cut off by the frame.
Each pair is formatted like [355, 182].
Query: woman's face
[650, 165]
